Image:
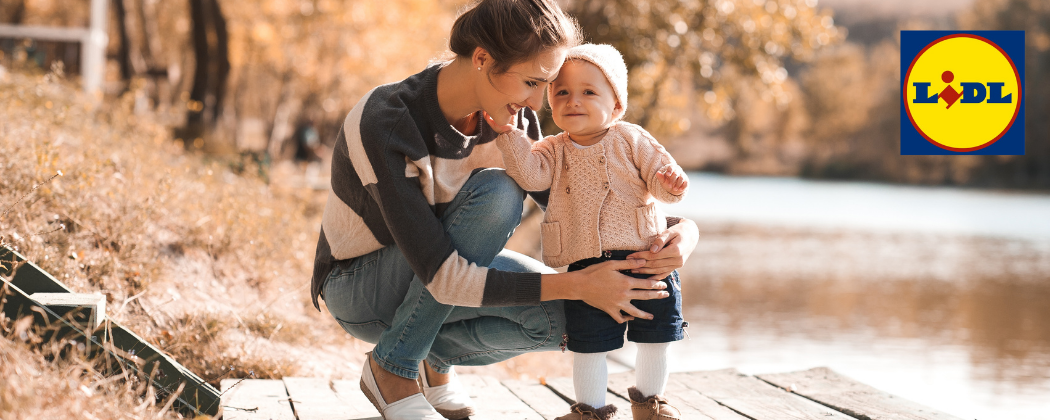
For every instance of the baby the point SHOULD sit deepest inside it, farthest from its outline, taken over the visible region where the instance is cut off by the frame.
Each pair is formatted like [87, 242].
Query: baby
[605, 176]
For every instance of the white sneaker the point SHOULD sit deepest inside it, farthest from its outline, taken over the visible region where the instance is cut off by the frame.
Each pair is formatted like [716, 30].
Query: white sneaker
[450, 399]
[414, 407]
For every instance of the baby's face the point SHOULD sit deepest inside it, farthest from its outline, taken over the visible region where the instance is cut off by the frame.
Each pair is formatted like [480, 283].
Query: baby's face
[582, 100]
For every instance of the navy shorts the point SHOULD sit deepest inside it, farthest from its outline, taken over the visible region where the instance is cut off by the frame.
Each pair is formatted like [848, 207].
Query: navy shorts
[591, 330]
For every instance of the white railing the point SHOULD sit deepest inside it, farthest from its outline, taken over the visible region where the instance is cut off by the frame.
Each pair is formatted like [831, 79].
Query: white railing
[93, 41]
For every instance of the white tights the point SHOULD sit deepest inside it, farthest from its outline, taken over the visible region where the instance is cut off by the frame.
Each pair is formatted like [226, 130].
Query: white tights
[590, 373]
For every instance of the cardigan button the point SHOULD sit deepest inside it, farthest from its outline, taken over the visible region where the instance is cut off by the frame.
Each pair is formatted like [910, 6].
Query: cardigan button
[601, 160]
[567, 190]
[606, 184]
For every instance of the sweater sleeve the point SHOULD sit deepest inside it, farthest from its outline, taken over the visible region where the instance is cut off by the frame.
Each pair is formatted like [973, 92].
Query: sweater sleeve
[418, 232]
[651, 158]
[530, 164]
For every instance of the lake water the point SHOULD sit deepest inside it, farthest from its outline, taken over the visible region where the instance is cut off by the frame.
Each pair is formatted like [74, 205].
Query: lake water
[938, 295]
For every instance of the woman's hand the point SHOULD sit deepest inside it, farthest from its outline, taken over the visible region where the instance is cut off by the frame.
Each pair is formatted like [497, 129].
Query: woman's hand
[604, 287]
[669, 250]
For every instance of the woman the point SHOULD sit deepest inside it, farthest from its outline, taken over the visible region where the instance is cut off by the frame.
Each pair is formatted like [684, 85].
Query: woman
[410, 254]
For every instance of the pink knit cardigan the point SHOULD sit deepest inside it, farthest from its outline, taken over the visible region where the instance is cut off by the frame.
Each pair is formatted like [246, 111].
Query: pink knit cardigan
[602, 197]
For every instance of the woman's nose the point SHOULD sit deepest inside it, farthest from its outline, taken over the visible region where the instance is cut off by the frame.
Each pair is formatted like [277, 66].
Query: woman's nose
[535, 101]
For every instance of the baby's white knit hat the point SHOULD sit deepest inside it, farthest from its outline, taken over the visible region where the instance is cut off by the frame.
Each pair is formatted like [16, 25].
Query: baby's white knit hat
[609, 60]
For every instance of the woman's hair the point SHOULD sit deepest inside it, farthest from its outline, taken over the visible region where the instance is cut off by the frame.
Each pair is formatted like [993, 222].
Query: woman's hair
[512, 31]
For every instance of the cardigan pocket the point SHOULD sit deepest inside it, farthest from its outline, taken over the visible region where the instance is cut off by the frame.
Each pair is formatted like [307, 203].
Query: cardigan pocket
[646, 220]
[550, 233]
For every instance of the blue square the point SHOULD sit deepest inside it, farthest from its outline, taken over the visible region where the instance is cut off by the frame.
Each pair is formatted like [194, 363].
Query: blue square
[912, 142]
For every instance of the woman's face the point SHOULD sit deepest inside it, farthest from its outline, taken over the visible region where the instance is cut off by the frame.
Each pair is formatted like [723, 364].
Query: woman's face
[521, 86]
[582, 100]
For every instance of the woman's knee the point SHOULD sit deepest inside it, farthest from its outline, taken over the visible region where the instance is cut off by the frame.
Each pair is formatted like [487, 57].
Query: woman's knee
[545, 325]
[501, 198]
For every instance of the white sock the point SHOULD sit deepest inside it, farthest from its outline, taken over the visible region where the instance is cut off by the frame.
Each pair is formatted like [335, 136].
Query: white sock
[590, 378]
[650, 368]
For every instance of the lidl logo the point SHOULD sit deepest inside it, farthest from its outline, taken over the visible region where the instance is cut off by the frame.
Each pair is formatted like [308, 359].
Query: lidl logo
[962, 93]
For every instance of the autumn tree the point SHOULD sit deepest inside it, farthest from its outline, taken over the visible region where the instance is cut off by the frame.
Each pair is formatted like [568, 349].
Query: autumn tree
[708, 49]
[1033, 17]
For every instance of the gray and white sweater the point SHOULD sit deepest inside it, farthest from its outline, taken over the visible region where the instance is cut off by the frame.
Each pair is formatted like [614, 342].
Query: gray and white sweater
[396, 166]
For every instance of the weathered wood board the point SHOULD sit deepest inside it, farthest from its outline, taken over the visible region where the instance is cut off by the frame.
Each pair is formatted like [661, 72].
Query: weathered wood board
[314, 399]
[539, 397]
[494, 401]
[255, 399]
[691, 403]
[862, 401]
[756, 399]
[563, 387]
[350, 392]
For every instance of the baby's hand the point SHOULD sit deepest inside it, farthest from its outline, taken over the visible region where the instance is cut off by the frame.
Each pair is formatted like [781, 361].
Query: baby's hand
[498, 127]
[673, 180]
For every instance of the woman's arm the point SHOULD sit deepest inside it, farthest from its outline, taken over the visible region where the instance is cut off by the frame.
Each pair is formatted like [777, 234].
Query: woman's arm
[604, 287]
[670, 250]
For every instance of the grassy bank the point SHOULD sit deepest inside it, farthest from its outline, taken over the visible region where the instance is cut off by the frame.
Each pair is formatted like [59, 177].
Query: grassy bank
[198, 255]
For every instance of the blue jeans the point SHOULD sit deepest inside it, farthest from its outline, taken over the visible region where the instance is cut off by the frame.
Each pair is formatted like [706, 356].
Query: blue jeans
[377, 298]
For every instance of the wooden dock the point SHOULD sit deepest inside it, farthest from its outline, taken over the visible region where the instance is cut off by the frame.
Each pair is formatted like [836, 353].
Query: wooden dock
[818, 393]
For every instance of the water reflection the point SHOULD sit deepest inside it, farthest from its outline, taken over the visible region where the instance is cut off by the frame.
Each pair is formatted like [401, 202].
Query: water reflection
[938, 295]
[957, 323]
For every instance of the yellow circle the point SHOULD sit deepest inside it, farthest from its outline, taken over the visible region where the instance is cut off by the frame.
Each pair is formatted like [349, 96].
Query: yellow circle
[962, 125]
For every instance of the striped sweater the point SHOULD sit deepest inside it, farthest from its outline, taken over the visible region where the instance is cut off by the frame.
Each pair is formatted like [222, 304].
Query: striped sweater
[396, 166]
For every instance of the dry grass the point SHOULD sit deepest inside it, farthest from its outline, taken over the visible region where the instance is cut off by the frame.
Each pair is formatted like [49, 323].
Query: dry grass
[136, 218]
[49, 378]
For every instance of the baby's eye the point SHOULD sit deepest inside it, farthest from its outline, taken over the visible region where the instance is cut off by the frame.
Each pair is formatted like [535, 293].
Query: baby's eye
[589, 92]
[561, 92]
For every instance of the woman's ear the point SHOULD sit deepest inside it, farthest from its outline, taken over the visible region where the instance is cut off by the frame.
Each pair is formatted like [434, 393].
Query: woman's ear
[480, 58]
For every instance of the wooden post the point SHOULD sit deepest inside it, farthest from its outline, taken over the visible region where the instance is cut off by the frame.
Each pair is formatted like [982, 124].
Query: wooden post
[93, 42]
[93, 56]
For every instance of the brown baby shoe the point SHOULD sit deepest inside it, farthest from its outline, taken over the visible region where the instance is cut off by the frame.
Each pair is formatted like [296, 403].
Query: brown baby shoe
[585, 412]
[654, 407]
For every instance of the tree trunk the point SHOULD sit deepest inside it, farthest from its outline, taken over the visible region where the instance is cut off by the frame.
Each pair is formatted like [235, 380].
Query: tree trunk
[124, 53]
[18, 13]
[221, 58]
[212, 68]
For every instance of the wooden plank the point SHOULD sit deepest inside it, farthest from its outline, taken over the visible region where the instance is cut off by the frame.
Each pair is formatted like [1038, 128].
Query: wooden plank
[350, 392]
[755, 399]
[28, 276]
[255, 399]
[314, 399]
[45, 33]
[196, 395]
[495, 401]
[92, 306]
[691, 403]
[862, 401]
[563, 387]
[548, 404]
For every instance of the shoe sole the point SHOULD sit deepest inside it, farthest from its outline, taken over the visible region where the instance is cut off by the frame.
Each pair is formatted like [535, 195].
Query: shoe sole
[456, 414]
[371, 398]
